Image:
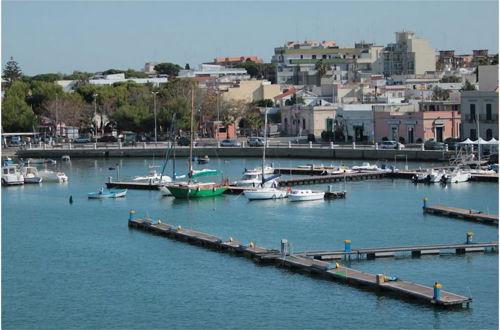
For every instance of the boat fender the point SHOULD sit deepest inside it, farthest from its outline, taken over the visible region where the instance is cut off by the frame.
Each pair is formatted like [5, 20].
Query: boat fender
[71, 199]
[289, 190]
[179, 227]
[230, 239]
[251, 244]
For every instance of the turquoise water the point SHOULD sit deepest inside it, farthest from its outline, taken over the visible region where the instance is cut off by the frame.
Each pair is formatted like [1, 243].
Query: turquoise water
[79, 266]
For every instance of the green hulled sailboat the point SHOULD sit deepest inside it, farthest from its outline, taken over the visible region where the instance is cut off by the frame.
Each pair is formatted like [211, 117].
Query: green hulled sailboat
[191, 188]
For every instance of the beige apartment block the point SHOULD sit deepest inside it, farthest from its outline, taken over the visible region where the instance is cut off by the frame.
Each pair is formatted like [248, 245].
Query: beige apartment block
[251, 90]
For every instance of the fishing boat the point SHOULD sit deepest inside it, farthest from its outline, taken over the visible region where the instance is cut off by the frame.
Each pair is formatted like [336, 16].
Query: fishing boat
[192, 188]
[11, 176]
[154, 177]
[107, 193]
[456, 176]
[365, 166]
[268, 186]
[424, 177]
[51, 176]
[203, 160]
[30, 174]
[297, 195]
[253, 178]
[436, 176]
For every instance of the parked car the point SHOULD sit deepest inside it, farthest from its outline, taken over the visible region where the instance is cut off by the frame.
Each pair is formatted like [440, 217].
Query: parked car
[391, 145]
[433, 145]
[107, 138]
[83, 139]
[230, 143]
[453, 144]
[255, 141]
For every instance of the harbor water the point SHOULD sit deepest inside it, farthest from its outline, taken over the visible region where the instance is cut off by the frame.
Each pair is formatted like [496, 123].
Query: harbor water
[79, 266]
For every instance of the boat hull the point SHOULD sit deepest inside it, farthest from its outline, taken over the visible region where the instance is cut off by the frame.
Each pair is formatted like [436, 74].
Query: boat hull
[107, 194]
[196, 191]
[262, 194]
[308, 197]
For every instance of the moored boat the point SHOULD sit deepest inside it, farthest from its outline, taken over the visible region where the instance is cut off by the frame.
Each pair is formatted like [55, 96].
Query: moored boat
[297, 195]
[51, 176]
[11, 176]
[456, 176]
[30, 174]
[107, 193]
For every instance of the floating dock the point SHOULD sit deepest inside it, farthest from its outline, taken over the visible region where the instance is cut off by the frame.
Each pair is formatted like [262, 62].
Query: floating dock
[414, 251]
[470, 215]
[334, 271]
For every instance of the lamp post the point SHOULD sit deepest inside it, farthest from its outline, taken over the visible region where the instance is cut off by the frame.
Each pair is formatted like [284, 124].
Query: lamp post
[154, 109]
[95, 111]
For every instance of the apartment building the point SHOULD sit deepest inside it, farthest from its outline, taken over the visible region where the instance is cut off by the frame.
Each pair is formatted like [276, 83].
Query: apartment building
[230, 62]
[408, 55]
[296, 62]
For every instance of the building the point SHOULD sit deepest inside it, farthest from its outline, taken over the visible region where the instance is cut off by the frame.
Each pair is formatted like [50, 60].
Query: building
[488, 77]
[149, 67]
[296, 62]
[479, 114]
[251, 90]
[217, 71]
[230, 62]
[355, 121]
[111, 79]
[301, 120]
[408, 125]
[408, 55]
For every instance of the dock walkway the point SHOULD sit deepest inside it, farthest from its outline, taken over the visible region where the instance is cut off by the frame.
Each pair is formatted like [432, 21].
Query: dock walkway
[302, 263]
[470, 215]
[415, 250]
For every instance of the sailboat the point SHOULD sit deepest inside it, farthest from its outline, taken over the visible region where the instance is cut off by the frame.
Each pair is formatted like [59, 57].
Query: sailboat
[265, 192]
[191, 188]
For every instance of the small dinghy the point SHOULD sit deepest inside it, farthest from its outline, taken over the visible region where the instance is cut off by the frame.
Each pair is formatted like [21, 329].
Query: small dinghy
[107, 193]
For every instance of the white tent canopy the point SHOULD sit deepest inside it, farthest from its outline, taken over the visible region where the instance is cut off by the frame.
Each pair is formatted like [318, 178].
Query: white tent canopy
[480, 141]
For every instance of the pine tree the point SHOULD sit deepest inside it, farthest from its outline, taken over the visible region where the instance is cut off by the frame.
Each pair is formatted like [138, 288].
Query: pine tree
[12, 72]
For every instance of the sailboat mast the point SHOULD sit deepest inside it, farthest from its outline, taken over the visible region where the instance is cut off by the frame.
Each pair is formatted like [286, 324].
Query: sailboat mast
[192, 136]
[265, 145]
[478, 143]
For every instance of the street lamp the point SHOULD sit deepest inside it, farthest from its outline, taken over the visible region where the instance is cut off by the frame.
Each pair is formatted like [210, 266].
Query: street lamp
[95, 111]
[154, 106]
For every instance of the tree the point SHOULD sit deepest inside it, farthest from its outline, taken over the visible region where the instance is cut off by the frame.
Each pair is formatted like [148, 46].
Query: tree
[268, 103]
[468, 86]
[451, 79]
[17, 115]
[47, 77]
[295, 100]
[441, 94]
[169, 69]
[12, 72]
[255, 122]
[68, 109]
[322, 68]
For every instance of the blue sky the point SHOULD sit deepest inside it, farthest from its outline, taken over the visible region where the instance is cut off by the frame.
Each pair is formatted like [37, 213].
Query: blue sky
[64, 36]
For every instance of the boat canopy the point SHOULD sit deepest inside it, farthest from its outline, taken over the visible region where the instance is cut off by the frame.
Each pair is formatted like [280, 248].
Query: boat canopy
[203, 173]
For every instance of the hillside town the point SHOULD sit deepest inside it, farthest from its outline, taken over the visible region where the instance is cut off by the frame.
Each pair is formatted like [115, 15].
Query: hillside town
[405, 91]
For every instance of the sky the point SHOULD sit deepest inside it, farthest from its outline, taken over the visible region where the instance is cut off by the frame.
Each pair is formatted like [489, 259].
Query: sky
[89, 35]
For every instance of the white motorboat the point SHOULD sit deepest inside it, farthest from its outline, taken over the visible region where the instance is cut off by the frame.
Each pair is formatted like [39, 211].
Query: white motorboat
[365, 166]
[51, 176]
[11, 176]
[297, 195]
[153, 177]
[425, 176]
[456, 176]
[253, 178]
[265, 193]
[436, 176]
[30, 174]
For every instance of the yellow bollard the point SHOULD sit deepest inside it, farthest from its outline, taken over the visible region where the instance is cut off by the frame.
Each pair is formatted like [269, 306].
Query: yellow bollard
[251, 244]
[179, 227]
[159, 221]
[230, 239]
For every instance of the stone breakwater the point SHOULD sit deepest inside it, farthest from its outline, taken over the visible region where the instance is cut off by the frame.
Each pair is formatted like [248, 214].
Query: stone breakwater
[276, 152]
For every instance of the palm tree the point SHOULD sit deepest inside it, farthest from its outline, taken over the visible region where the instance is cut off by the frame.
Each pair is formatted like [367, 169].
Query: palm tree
[322, 68]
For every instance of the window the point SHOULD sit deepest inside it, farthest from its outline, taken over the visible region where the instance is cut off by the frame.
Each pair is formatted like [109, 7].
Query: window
[324, 56]
[473, 134]
[473, 112]
[488, 111]
[314, 57]
[303, 123]
[301, 56]
[489, 134]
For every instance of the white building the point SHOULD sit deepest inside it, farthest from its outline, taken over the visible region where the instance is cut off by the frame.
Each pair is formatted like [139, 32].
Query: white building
[356, 121]
[214, 70]
[110, 79]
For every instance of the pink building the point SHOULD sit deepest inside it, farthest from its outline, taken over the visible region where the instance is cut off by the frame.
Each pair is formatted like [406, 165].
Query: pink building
[417, 126]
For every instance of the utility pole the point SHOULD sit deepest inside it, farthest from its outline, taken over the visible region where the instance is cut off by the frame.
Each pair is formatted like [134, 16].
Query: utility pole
[95, 111]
